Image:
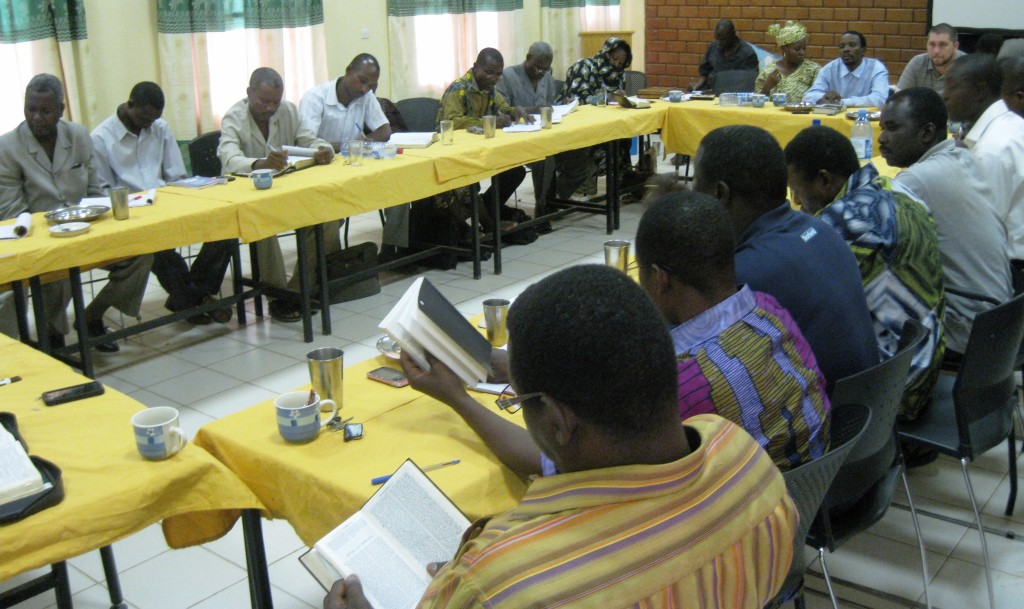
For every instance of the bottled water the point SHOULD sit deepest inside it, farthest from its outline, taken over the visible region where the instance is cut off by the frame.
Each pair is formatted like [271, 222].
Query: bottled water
[861, 136]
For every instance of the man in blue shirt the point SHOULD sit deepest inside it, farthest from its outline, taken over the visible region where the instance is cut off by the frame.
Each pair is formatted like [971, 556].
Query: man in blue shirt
[796, 258]
[852, 79]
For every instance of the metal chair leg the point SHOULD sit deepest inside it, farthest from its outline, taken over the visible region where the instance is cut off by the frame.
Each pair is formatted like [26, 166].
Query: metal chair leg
[828, 580]
[981, 532]
[1011, 444]
[920, 540]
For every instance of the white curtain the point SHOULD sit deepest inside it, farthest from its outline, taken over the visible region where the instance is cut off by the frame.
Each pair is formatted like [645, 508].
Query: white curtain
[204, 73]
[429, 51]
[561, 22]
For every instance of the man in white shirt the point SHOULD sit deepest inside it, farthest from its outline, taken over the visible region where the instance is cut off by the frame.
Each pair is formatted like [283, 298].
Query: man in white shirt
[1013, 83]
[135, 148]
[343, 110]
[852, 79]
[992, 131]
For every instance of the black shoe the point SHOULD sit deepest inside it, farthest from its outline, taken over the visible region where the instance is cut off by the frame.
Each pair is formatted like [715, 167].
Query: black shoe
[57, 341]
[221, 315]
[284, 312]
[199, 320]
[96, 328]
[543, 228]
[917, 455]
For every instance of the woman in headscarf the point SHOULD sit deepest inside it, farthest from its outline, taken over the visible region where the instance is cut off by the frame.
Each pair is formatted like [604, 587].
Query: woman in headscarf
[603, 72]
[792, 74]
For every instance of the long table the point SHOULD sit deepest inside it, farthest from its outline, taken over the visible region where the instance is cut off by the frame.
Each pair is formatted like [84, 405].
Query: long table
[110, 490]
[686, 123]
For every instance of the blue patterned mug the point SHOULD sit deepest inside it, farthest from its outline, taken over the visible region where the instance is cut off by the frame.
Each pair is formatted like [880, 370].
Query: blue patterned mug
[157, 434]
[299, 421]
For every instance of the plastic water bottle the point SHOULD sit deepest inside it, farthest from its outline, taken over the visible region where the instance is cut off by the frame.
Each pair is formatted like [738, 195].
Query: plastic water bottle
[862, 137]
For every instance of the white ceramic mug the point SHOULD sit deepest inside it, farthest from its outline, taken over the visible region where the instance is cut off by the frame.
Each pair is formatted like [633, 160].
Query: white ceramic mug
[298, 421]
[157, 433]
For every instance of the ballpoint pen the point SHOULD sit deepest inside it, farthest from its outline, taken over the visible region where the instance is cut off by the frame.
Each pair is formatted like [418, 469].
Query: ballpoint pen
[9, 380]
[383, 479]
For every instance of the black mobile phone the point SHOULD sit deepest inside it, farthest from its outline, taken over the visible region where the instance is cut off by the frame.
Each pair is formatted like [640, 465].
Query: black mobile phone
[72, 393]
[388, 376]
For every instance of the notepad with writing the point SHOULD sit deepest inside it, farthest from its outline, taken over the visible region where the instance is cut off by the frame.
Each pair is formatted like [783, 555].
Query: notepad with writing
[406, 525]
[423, 321]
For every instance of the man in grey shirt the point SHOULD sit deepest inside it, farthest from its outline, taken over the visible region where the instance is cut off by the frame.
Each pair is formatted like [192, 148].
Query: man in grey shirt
[531, 86]
[927, 69]
[955, 185]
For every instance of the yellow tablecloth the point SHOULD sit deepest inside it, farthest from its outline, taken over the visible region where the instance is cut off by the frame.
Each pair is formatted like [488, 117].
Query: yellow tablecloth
[471, 157]
[315, 486]
[688, 122]
[175, 219]
[110, 490]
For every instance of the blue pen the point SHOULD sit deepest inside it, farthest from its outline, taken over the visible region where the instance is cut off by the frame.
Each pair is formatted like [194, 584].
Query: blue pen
[383, 479]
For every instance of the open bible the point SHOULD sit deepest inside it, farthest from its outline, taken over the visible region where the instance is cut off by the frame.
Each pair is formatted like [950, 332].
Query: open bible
[19, 477]
[406, 525]
[423, 321]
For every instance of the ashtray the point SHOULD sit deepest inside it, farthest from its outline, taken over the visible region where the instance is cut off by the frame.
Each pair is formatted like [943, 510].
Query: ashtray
[872, 116]
[801, 108]
[75, 213]
[388, 347]
[69, 229]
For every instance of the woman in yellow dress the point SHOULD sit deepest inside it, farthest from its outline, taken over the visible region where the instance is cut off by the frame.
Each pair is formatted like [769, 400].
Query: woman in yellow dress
[792, 74]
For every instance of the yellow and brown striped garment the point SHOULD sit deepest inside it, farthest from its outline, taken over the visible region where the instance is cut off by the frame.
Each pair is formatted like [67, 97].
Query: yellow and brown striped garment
[713, 529]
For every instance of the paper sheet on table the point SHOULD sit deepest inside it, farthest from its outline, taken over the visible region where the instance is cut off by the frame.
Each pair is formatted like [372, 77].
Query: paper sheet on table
[298, 151]
[522, 128]
[21, 227]
[139, 199]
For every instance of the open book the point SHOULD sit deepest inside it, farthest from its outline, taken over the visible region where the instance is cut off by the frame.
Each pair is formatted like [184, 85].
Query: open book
[299, 158]
[18, 475]
[423, 321]
[406, 525]
[414, 139]
[632, 101]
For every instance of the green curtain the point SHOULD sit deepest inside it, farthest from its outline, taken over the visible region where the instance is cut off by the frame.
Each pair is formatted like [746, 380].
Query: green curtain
[576, 3]
[411, 8]
[25, 20]
[188, 16]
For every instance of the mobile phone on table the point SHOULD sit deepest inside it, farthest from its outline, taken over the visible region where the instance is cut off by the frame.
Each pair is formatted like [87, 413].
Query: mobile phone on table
[388, 376]
[72, 393]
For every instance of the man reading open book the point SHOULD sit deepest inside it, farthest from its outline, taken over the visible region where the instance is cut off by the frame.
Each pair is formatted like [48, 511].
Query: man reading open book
[636, 508]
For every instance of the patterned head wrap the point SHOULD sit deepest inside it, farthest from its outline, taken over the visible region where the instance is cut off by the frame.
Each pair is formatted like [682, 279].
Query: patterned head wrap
[788, 34]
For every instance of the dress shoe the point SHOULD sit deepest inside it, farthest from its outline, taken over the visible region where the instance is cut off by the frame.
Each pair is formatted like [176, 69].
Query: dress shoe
[221, 315]
[284, 312]
[96, 328]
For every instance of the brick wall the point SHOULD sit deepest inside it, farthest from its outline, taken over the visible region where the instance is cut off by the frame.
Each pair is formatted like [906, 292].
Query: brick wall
[678, 31]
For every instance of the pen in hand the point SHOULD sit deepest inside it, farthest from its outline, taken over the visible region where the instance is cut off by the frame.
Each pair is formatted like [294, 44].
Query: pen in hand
[383, 479]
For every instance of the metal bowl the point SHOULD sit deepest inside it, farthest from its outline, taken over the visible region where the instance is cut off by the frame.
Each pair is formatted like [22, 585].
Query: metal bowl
[800, 108]
[69, 229]
[76, 213]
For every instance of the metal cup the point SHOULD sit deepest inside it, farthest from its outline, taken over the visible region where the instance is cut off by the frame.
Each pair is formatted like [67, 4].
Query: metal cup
[496, 321]
[489, 122]
[447, 133]
[545, 117]
[327, 373]
[616, 254]
[119, 202]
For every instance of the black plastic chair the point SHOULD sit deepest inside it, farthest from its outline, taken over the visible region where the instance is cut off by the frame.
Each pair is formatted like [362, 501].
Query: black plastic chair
[634, 81]
[202, 155]
[807, 485]
[973, 411]
[863, 488]
[420, 113]
[733, 81]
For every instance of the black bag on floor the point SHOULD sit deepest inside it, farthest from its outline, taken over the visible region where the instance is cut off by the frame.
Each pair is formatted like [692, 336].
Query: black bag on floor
[347, 262]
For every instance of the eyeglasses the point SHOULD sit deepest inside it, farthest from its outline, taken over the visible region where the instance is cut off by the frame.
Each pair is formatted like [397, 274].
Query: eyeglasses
[510, 402]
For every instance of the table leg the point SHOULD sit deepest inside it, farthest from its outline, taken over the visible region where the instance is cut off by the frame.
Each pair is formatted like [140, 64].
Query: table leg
[321, 271]
[20, 310]
[56, 580]
[304, 287]
[254, 264]
[75, 278]
[113, 582]
[236, 282]
[42, 327]
[256, 560]
[496, 216]
[612, 185]
[61, 585]
[474, 196]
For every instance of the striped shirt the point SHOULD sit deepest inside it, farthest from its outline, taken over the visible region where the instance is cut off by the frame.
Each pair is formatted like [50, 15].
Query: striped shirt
[746, 360]
[713, 529]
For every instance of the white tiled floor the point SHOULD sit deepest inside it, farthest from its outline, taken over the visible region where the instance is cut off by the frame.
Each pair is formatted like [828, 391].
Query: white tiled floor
[211, 371]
